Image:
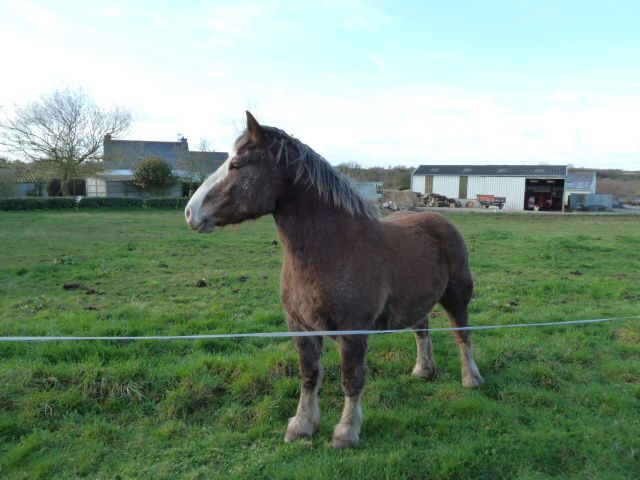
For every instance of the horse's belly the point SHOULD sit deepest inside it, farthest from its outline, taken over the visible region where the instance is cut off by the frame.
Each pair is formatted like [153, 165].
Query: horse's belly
[331, 307]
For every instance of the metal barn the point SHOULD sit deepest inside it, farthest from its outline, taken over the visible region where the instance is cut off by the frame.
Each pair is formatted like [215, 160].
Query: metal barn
[524, 187]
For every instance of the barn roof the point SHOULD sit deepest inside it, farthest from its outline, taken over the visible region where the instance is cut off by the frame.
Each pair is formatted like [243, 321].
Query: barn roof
[580, 180]
[544, 171]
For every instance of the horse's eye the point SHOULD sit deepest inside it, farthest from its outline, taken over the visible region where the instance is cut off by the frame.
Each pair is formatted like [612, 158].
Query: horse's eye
[235, 166]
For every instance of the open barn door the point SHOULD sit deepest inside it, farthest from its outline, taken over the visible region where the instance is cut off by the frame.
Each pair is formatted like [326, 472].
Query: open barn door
[543, 194]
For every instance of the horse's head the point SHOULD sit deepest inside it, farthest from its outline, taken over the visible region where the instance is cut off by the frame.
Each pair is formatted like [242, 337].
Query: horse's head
[246, 186]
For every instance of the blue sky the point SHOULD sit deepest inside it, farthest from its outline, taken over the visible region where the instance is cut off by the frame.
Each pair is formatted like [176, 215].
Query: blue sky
[373, 82]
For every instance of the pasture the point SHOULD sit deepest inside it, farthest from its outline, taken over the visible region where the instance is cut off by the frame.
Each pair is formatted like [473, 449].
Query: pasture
[557, 402]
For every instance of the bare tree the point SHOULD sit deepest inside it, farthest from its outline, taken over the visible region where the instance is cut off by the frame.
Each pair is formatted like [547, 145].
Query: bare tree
[62, 129]
[205, 145]
[198, 166]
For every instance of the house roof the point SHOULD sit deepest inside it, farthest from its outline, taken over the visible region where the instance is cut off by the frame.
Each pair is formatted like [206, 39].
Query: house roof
[544, 171]
[580, 180]
[125, 154]
[130, 152]
[20, 175]
[209, 161]
[117, 175]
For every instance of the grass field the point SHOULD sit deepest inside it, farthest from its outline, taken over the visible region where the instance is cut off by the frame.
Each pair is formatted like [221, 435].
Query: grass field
[557, 403]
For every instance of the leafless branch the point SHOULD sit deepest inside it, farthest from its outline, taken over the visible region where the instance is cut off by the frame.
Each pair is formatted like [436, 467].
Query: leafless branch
[64, 129]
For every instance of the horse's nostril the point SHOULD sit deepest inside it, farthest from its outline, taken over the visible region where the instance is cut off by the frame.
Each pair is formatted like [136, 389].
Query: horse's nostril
[187, 213]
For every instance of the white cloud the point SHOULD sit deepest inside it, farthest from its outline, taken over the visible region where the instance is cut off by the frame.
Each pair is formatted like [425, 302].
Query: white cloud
[33, 14]
[425, 124]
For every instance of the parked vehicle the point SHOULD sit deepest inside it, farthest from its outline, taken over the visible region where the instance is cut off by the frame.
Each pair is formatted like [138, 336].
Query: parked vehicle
[491, 201]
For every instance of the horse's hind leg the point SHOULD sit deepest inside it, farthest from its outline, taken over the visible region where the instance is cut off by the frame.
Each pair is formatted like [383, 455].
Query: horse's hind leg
[307, 416]
[425, 363]
[455, 301]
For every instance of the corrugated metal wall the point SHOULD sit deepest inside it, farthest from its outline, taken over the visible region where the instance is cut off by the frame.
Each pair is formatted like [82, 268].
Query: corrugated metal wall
[512, 188]
[417, 183]
[447, 185]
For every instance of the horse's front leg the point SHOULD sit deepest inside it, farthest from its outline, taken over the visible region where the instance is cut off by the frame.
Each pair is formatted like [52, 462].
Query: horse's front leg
[307, 416]
[353, 350]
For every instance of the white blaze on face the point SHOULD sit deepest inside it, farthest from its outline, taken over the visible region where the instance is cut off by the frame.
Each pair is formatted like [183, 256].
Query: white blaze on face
[193, 210]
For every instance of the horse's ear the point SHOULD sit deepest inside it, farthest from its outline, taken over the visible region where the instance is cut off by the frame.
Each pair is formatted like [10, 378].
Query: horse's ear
[254, 129]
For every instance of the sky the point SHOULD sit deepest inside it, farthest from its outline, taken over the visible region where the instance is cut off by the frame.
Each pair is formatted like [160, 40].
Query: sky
[378, 83]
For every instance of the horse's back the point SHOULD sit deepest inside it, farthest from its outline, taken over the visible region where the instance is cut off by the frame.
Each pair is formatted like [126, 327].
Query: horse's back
[426, 239]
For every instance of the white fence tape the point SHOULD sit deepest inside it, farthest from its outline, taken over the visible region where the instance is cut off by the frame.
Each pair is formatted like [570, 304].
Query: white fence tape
[314, 333]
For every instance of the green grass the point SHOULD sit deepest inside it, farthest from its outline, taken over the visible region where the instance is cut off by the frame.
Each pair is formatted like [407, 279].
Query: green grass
[557, 403]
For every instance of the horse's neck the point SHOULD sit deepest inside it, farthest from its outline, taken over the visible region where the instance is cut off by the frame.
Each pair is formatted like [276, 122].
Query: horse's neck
[311, 229]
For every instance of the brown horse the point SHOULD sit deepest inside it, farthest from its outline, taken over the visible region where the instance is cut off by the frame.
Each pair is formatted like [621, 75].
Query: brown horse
[344, 269]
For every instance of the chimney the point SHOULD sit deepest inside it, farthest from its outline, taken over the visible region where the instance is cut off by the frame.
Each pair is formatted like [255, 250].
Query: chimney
[106, 146]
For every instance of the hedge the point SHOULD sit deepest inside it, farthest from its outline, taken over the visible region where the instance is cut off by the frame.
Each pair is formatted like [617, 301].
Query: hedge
[160, 202]
[100, 202]
[31, 203]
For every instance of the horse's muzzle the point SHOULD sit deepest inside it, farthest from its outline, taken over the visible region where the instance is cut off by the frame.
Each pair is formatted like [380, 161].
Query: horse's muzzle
[201, 225]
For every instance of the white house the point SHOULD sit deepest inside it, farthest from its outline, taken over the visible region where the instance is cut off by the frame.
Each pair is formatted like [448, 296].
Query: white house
[523, 186]
[120, 157]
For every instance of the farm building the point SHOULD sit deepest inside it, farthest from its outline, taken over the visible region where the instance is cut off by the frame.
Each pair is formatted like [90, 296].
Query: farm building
[121, 156]
[579, 182]
[524, 187]
[18, 181]
[369, 190]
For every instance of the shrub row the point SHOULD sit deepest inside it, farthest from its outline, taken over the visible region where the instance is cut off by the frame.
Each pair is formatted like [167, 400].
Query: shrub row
[100, 202]
[160, 202]
[31, 203]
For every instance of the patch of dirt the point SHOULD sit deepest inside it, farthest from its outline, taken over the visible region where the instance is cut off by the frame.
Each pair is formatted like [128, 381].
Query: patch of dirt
[243, 278]
[201, 283]
[576, 272]
[69, 287]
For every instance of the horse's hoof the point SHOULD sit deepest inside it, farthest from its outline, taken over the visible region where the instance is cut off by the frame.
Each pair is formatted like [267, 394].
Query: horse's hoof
[427, 373]
[344, 436]
[298, 429]
[472, 381]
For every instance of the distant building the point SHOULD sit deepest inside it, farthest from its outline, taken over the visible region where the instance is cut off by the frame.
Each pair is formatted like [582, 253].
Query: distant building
[121, 156]
[20, 181]
[524, 187]
[579, 182]
[369, 190]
